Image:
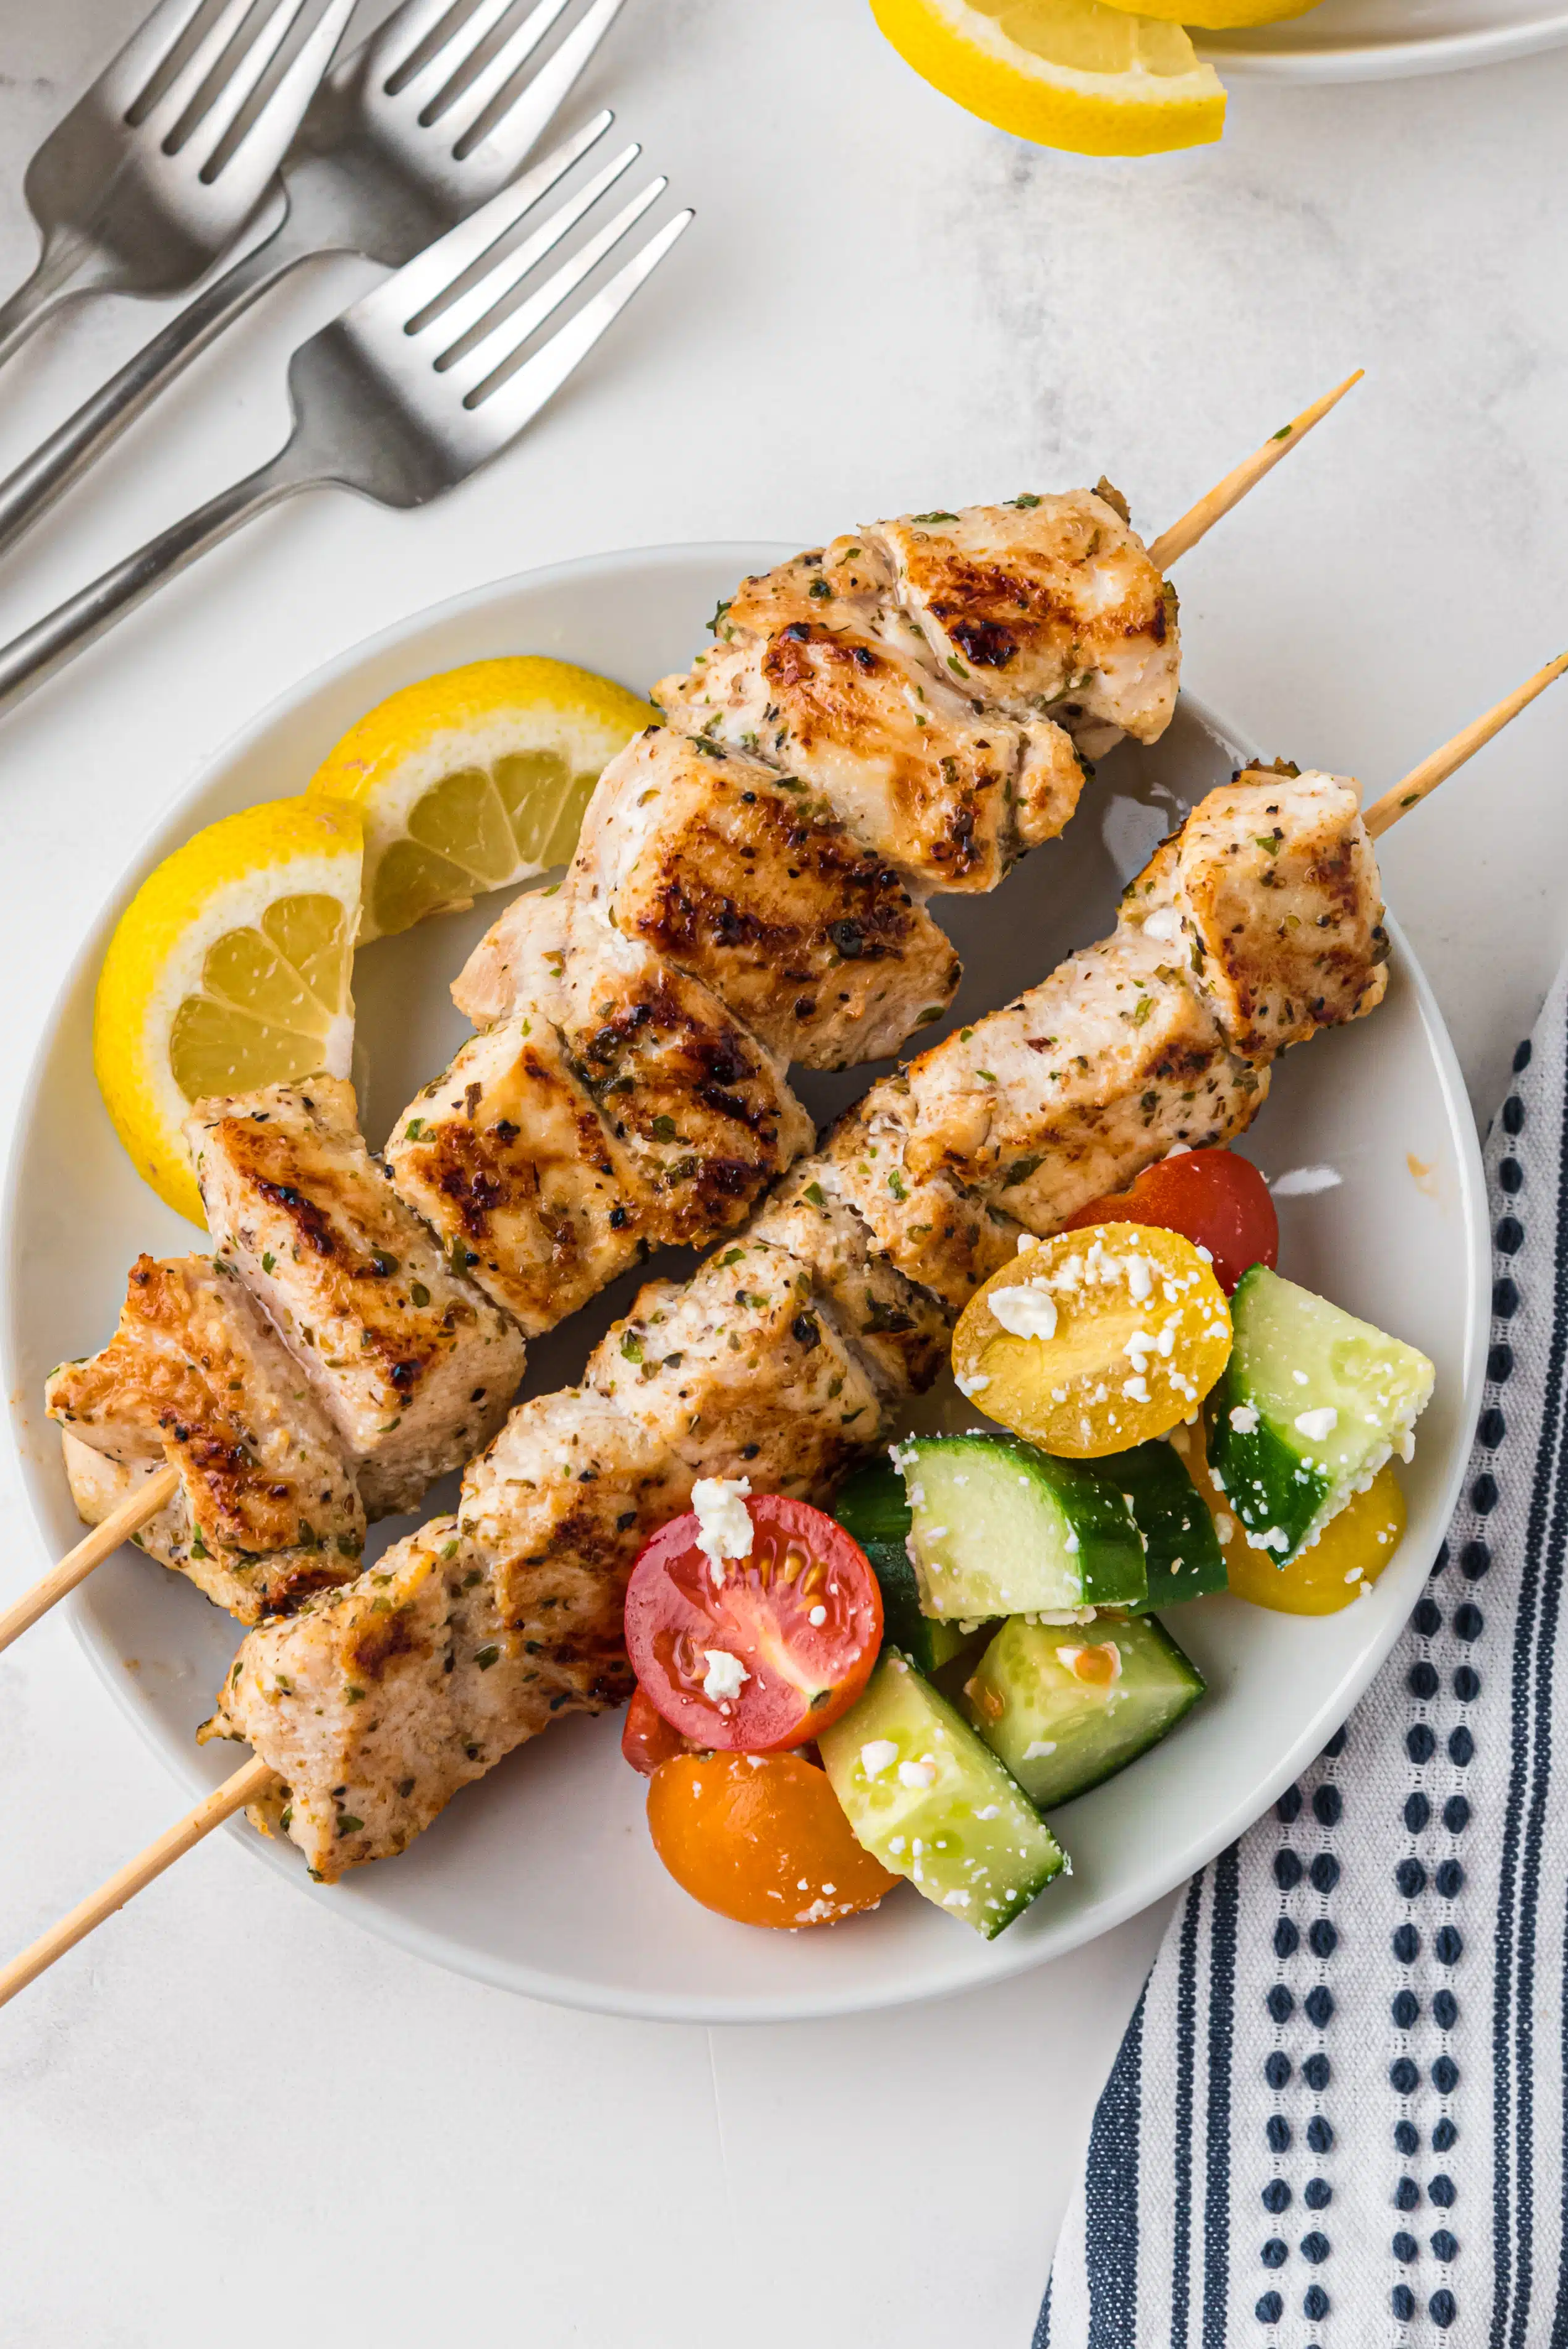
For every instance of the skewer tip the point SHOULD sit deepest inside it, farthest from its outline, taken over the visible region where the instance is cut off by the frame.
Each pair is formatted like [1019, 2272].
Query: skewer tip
[1193, 525]
[1422, 780]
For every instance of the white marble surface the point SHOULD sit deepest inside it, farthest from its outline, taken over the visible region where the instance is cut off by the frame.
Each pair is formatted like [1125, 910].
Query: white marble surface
[226, 2112]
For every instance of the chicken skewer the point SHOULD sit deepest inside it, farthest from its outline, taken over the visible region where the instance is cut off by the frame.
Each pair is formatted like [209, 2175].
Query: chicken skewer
[474, 1579]
[524, 1168]
[898, 714]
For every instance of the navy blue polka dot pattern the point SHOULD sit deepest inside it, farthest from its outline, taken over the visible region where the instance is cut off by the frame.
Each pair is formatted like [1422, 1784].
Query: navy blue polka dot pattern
[1374, 2017]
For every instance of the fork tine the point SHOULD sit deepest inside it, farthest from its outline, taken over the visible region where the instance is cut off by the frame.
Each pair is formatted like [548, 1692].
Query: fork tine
[170, 107]
[507, 140]
[126, 81]
[449, 322]
[437, 73]
[389, 49]
[276, 121]
[491, 79]
[437, 270]
[507, 336]
[225, 106]
[518, 400]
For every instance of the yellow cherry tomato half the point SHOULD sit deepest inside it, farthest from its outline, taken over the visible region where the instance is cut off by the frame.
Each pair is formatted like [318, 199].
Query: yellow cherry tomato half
[1346, 1559]
[761, 1837]
[1095, 1341]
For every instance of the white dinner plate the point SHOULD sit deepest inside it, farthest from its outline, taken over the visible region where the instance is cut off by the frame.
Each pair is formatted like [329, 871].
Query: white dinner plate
[542, 1878]
[1387, 40]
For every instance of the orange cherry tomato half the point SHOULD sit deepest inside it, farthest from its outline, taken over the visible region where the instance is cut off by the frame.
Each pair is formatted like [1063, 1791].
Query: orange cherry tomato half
[647, 1737]
[1217, 1200]
[772, 1652]
[761, 1839]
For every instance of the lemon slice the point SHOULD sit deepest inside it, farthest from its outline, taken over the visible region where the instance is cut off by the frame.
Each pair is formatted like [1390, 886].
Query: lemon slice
[1074, 74]
[474, 780]
[231, 968]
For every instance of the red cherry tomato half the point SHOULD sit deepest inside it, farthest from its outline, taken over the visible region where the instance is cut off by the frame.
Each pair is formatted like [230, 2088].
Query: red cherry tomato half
[1217, 1200]
[647, 1737]
[772, 1652]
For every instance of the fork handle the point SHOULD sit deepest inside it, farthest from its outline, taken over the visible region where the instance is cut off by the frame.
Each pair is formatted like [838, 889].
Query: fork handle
[51, 642]
[61, 273]
[35, 484]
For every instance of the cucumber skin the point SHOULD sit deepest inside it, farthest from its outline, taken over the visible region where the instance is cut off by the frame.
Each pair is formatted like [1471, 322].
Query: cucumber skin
[1012, 1661]
[897, 1703]
[871, 1504]
[1174, 1521]
[1107, 1566]
[1264, 1484]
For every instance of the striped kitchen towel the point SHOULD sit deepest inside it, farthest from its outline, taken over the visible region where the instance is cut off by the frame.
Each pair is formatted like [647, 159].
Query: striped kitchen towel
[1338, 2114]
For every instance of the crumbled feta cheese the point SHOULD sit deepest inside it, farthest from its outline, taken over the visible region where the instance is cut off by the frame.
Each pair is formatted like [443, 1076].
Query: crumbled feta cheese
[1245, 1419]
[877, 1754]
[1140, 1278]
[1136, 1390]
[1301, 1182]
[1039, 1747]
[1316, 1425]
[989, 1811]
[974, 1383]
[724, 1526]
[726, 1676]
[955, 1901]
[1225, 1527]
[917, 1775]
[817, 1618]
[1023, 1312]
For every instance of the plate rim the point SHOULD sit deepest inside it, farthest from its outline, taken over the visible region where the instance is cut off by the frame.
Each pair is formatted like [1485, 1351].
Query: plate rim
[183, 1762]
[1401, 60]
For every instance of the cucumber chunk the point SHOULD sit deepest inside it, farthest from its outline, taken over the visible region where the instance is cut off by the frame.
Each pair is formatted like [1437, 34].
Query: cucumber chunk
[931, 1801]
[1060, 1732]
[1182, 1555]
[999, 1528]
[1309, 1407]
[873, 1511]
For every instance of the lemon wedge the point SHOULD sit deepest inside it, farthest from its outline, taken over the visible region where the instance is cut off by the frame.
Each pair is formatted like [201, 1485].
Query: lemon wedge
[1074, 74]
[474, 780]
[232, 966]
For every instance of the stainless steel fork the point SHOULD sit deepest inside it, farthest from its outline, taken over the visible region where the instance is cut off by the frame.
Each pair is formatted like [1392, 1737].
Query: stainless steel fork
[402, 141]
[152, 174]
[408, 391]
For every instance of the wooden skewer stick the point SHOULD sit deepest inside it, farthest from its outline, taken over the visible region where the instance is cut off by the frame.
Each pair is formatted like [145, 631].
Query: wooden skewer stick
[1191, 527]
[246, 1786]
[127, 1518]
[1424, 779]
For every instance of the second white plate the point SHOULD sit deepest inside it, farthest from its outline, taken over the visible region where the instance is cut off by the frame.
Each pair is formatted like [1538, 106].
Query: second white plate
[542, 1878]
[1387, 40]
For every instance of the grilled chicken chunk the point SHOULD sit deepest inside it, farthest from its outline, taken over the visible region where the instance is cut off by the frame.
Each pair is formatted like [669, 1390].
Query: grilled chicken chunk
[1276, 890]
[742, 1370]
[620, 1109]
[375, 1710]
[817, 670]
[559, 1504]
[195, 1376]
[413, 1365]
[740, 876]
[899, 1332]
[1045, 604]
